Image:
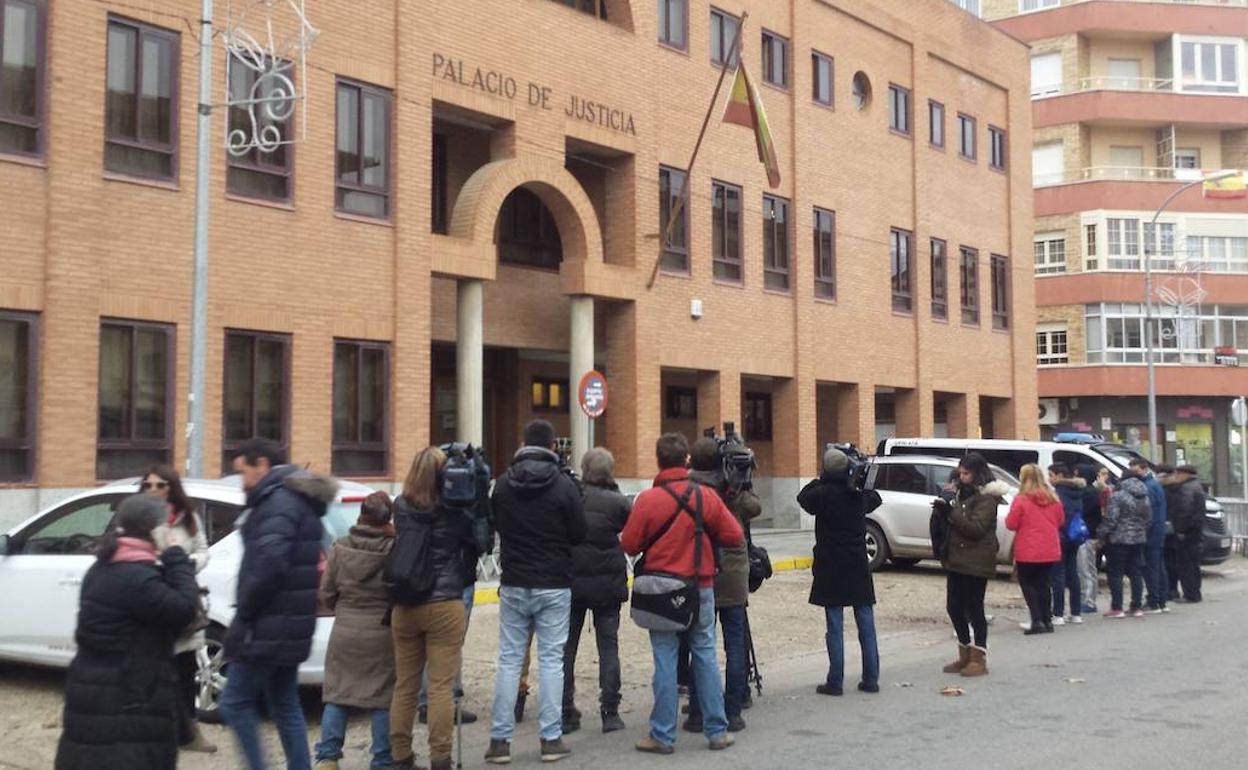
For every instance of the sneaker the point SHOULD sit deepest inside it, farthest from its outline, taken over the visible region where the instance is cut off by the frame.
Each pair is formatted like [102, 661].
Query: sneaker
[865, 687]
[553, 751]
[649, 745]
[692, 725]
[611, 721]
[1137, 613]
[1089, 609]
[1115, 614]
[1153, 610]
[720, 742]
[827, 689]
[736, 724]
[1058, 620]
[499, 752]
[1025, 625]
[1166, 609]
[1076, 619]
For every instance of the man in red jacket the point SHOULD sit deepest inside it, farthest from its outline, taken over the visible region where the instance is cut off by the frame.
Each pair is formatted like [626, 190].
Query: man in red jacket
[673, 552]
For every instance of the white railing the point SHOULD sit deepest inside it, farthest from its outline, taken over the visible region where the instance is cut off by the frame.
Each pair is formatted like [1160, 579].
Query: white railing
[1118, 174]
[1111, 83]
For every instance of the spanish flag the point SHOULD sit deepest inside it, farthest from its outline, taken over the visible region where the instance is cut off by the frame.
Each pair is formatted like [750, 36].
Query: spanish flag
[1230, 187]
[745, 108]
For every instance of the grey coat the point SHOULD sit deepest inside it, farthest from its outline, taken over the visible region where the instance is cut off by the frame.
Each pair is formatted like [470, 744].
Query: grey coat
[359, 664]
[1130, 514]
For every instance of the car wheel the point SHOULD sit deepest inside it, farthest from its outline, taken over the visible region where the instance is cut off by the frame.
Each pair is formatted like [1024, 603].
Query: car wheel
[210, 675]
[903, 563]
[877, 546]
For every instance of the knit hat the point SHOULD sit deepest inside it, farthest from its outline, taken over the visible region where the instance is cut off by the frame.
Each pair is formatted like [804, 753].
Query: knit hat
[834, 460]
[139, 514]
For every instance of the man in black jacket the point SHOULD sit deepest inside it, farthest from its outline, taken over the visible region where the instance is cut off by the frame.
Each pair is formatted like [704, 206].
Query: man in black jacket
[275, 614]
[1185, 504]
[539, 517]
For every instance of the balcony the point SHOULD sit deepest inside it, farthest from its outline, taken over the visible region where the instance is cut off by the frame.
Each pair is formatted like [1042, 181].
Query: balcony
[1143, 17]
[1119, 174]
[1138, 101]
[1123, 188]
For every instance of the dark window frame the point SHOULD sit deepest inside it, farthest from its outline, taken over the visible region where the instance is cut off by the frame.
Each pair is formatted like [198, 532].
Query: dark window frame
[767, 58]
[894, 91]
[939, 249]
[758, 428]
[382, 446]
[825, 281]
[963, 121]
[725, 44]
[252, 161]
[902, 296]
[934, 107]
[386, 192]
[29, 442]
[816, 58]
[664, 39]
[33, 123]
[673, 395]
[439, 194]
[156, 445]
[667, 201]
[999, 266]
[228, 445]
[724, 261]
[968, 285]
[998, 148]
[546, 406]
[142, 32]
[772, 269]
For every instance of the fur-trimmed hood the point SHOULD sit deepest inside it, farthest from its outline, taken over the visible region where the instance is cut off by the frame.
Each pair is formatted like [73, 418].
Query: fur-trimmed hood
[995, 488]
[320, 488]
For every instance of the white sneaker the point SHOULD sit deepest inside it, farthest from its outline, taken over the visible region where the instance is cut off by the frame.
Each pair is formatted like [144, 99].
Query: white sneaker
[1059, 621]
[1025, 625]
[1076, 619]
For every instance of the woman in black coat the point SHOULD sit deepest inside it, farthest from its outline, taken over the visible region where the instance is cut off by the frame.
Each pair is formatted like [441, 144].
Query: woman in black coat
[842, 572]
[121, 695]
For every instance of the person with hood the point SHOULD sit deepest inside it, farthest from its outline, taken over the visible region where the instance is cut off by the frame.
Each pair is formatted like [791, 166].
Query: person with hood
[1185, 498]
[1089, 553]
[276, 605]
[428, 627]
[1155, 578]
[841, 571]
[121, 695]
[969, 557]
[186, 530]
[359, 662]
[1036, 516]
[600, 586]
[1071, 490]
[1125, 530]
[539, 518]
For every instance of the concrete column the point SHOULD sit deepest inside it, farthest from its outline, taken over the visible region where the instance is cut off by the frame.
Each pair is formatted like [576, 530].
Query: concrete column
[855, 415]
[582, 361]
[470, 363]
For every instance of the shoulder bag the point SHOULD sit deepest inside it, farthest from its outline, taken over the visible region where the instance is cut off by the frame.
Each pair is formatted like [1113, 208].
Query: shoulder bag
[663, 601]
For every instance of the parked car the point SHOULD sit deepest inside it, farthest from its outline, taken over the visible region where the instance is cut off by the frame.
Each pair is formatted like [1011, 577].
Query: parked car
[1013, 455]
[908, 485]
[43, 562]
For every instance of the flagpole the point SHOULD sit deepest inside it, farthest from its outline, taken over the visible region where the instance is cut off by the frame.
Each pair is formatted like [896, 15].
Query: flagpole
[678, 209]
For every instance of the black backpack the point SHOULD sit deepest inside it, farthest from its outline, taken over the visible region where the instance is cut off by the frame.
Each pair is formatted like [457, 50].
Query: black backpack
[409, 574]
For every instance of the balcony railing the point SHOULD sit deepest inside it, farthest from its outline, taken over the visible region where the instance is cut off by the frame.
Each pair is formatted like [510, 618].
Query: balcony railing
[1110, 83]
[1118, 174]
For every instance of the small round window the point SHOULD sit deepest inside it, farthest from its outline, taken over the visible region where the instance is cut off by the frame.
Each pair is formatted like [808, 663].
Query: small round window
[862, 90]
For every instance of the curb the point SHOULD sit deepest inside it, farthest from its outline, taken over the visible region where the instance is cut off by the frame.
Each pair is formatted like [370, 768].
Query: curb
[489, 594]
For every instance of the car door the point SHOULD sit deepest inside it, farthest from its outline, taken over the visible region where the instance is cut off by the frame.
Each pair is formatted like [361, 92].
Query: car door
[41, 578]
[907, 507]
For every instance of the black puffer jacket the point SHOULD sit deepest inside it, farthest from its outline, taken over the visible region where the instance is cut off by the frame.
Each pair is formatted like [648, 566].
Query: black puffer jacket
[120, 694]
[539, 517]
[279, 575]
[1185, 503]
[841, 572]
[454, 546]
[600, 571]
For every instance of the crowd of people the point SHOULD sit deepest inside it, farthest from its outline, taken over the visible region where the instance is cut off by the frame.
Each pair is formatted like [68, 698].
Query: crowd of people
[401, 583]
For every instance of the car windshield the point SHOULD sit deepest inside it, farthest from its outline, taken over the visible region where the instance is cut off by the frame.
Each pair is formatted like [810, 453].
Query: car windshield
[1120, 454]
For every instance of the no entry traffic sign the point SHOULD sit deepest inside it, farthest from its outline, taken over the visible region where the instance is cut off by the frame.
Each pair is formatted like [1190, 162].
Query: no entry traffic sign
[592, 394]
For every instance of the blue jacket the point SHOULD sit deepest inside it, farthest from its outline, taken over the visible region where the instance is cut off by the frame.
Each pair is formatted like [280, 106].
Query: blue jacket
[1157, 499]
[1071, 493]
[279, 575]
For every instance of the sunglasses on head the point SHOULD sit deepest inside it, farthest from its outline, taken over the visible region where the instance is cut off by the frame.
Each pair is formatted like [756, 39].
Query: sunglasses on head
[154, 485]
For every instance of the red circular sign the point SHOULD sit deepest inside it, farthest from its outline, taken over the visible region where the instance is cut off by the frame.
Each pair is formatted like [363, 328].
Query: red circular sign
[592, 394]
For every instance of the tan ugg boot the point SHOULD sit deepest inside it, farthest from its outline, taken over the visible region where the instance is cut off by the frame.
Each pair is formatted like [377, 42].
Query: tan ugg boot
[979, 662]
[964, 657]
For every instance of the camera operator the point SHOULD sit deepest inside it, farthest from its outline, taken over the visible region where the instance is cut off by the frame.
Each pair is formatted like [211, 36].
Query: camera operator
[842, 572]
[731, 584]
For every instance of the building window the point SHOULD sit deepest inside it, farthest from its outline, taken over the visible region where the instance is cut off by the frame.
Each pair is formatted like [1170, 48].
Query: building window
[674, 23]
[1089, 247]
[968, 280]
[775, 243]
[1122, 249]
[140, 136]
[900, 242]
[862, 90]
[19, 379]
[936, 124]
[899, 109]
[1115, 333]
[821, 78]
[724, 27]
[22, 43]
[970, 6]
[676, 246]
[825, 253]
[682, 403]
[1048, 164]
[1187, 157]
[966, 137]
[1159, 244]
[996, 148]
[1210, 66]
[940, 279]
[757, 417]
[726, 232]
[363, 156]
[135, 398]
[361, 408]
[1050, 251]
[1051, 345]
[257, 174]
[549, 395]
[1046, 74]
[1218, 253]
[441, 221]
[1000, 275]
[592, 7]
[1026, 6]
[256, 398]
[775, 59]
[526, 232]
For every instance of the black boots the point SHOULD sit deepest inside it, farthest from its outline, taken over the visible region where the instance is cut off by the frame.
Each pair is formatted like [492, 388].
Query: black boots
[611, 721]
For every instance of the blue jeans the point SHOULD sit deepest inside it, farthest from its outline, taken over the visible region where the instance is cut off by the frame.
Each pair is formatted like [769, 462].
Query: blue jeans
[864, 617]
[250, 683]
[334, 734]
[736, 668]
[1063, 579]
[470, 594]
[544, 612]
[1126, 560]
[1155, 576]
[665, 645]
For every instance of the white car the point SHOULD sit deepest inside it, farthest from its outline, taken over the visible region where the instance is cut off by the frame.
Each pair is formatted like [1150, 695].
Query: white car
[44, 559]
[899, 530]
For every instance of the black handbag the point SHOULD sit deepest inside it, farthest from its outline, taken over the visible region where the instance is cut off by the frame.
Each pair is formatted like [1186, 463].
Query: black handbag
[662, 601]
[760, 565]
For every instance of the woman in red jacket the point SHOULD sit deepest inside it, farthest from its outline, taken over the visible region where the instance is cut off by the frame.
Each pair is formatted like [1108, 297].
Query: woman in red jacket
[1036, 515]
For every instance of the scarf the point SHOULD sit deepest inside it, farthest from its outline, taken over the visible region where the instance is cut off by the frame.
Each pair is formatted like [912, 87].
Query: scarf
[135, 549]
